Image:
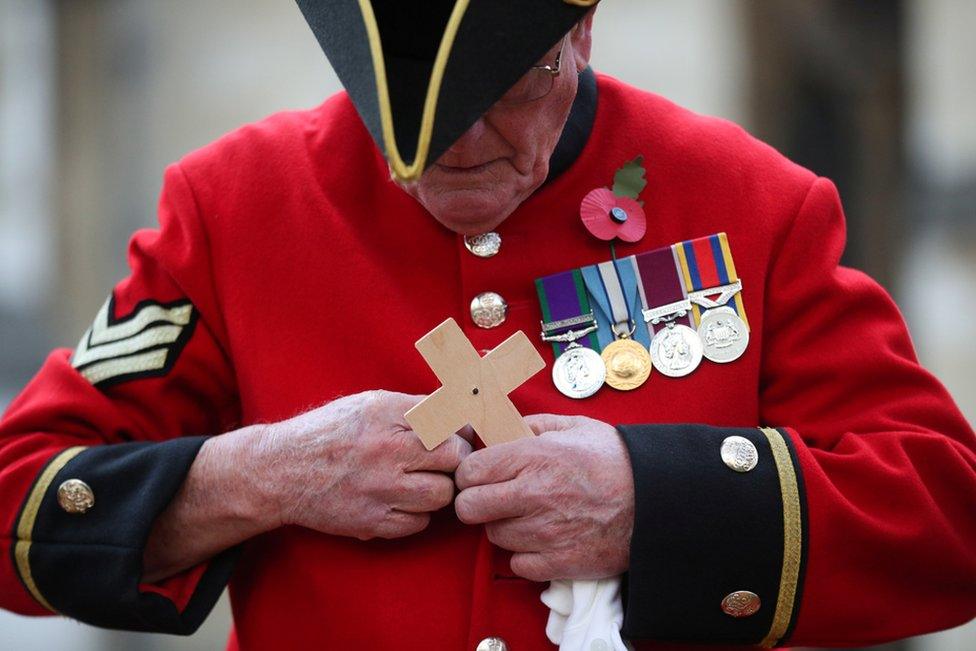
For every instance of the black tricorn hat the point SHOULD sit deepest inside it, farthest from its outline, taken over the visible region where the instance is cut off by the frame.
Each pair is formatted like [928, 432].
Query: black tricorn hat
[421, 72]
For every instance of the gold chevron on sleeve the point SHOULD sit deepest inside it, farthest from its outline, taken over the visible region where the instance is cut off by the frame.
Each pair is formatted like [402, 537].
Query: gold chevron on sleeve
[144, 343]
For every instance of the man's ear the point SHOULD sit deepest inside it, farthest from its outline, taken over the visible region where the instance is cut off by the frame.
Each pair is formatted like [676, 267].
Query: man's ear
[582, 39]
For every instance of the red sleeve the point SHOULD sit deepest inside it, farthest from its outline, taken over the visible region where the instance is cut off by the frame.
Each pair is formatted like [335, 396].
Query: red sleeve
[123, 415]
[887, 461]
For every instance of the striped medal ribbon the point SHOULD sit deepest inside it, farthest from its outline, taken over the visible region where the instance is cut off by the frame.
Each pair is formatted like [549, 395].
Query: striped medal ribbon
[612, 286]
[715, 291]
[676, 349]
[569, 324]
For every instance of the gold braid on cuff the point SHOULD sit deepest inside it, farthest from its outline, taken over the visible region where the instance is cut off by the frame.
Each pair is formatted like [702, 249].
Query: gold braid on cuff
[792, 538]
[25, 524]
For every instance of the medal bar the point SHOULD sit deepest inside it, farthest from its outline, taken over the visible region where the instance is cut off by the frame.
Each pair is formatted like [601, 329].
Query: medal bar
[668, 312]
[690, 300]
[570, 336]
[555, 326]
[725, 294]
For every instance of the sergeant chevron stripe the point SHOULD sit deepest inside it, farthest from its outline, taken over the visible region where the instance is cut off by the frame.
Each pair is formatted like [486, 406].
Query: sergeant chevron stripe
[143, 344]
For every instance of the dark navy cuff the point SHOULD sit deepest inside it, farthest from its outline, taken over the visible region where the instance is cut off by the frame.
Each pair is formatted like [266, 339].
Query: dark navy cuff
[84, 558]
[719, 544]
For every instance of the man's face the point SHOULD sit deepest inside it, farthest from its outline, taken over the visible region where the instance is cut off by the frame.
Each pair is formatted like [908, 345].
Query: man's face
[504, 156]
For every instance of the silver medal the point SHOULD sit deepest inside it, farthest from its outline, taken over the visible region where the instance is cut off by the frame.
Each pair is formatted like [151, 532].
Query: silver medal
[676, 350]
[724, 335]
[579, 372]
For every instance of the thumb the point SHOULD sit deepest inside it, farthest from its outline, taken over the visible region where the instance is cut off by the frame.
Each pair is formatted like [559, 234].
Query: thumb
[395, 405]
[397, 400]
[541, 423]
[533, 566]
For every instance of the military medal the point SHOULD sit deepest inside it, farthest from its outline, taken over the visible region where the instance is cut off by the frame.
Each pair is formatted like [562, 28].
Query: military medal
[710, 278]
[579, 372]
[675, 349]
[724, 334]
[570, 326]
[628, 364]
[612, 284]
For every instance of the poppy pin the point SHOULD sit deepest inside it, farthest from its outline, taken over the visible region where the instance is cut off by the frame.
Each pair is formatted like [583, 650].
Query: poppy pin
[618, 213]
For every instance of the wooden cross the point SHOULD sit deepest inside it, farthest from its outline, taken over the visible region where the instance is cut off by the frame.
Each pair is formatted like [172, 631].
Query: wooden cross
[475, 389]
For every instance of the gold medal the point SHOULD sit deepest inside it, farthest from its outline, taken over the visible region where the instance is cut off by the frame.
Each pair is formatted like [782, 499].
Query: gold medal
[628, 364]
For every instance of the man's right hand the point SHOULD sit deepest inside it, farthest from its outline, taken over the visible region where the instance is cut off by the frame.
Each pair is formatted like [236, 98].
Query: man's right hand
[350, 468]
[354, 468]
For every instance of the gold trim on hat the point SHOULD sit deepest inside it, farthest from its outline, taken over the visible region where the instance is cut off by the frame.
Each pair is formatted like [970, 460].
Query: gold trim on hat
[402, 170]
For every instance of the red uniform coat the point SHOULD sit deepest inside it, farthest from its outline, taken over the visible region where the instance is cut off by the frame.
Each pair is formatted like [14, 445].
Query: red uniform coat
[289, 270]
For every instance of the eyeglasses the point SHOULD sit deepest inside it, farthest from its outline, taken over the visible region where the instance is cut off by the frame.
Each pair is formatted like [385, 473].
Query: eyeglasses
[534, 84]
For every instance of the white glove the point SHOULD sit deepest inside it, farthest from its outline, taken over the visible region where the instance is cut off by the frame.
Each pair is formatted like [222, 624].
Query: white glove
[585, 615]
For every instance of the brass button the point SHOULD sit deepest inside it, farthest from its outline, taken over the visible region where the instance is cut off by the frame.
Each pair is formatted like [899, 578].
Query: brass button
[741, 603]
[492, 644]
[75, 496]
[739, 453]
[485, 245]
[488, 310]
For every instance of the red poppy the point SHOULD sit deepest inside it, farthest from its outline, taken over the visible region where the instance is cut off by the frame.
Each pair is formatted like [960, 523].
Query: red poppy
[607, 215]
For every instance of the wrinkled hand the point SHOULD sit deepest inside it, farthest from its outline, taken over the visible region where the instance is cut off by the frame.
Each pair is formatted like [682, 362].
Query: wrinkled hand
[354, 468]
[563, 501]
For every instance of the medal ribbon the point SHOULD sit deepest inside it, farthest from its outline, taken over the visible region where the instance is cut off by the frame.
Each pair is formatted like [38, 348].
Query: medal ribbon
[612, 286]
[563, 297]
[660, 282]
[706, 263]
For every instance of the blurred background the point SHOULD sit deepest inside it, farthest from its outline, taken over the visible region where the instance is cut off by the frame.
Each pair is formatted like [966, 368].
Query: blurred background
[96, 97]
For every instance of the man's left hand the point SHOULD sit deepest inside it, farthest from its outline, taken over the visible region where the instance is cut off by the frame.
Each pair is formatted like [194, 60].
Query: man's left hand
[562, 501]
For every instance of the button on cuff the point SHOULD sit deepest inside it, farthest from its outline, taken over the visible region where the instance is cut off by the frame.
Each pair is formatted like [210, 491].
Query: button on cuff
[741, 603]
[739, 453]
[75, 496]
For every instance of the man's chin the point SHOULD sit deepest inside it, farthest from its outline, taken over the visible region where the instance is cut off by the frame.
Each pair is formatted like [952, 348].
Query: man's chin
[471, 212]
[471, 203]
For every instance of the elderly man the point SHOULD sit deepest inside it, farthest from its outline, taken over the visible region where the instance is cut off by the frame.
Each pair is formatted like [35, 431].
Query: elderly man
[236, 411]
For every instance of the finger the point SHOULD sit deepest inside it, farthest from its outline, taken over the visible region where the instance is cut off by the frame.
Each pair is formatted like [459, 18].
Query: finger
[398, 524]
[540, 423]
[481, 504]
[492, 465]
[390, 407]
[468, 434]
[534, 567]
[514, 536]
[398, 403]
[444, 458]
[422, 492]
